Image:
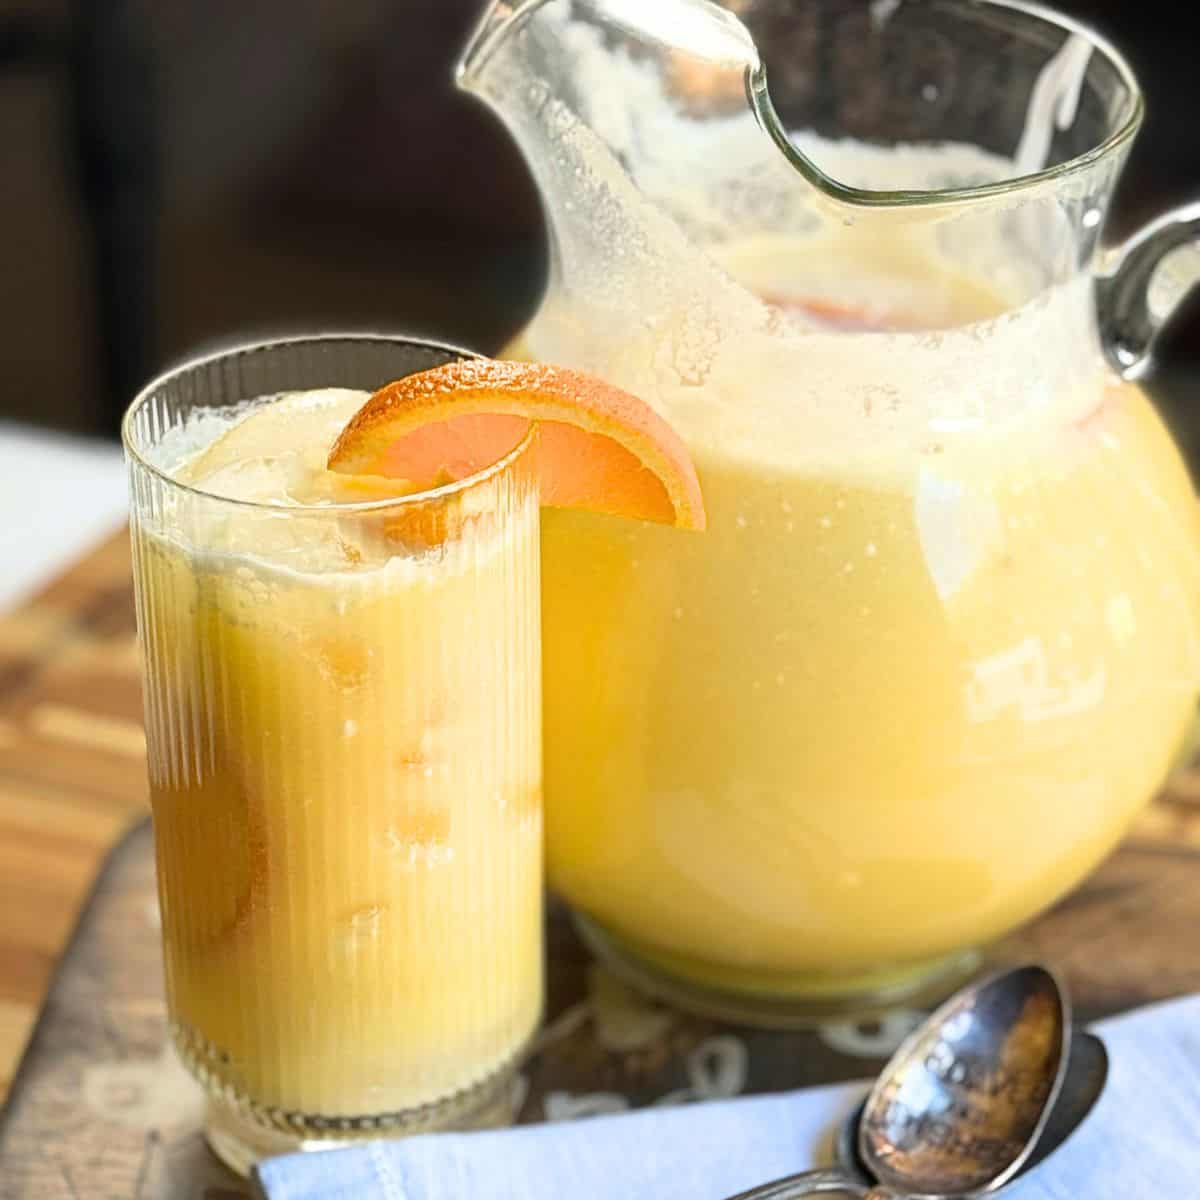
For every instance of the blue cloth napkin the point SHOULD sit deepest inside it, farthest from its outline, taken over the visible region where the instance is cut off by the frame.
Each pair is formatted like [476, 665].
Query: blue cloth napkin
[1141, 1140]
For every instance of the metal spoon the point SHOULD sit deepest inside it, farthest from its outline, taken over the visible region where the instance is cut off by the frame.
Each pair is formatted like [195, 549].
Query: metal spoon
[1087, 1073]
[963, 1102]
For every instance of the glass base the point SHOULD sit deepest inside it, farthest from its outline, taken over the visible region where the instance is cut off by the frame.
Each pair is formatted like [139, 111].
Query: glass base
[241, 1139]
[776, 1001]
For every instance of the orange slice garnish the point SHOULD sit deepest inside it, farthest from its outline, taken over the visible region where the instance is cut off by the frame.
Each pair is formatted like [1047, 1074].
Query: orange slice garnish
[599, 448]
[215, 834]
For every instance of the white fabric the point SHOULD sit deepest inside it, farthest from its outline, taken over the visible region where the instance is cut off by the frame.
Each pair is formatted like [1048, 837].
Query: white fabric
[59, 495]
[1141, 1142]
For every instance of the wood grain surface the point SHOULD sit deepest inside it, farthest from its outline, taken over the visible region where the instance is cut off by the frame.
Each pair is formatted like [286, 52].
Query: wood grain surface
[72, 768]
[100, 1109]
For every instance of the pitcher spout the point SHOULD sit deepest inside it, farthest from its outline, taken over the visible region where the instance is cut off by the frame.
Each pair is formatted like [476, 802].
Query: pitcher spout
[635, 122]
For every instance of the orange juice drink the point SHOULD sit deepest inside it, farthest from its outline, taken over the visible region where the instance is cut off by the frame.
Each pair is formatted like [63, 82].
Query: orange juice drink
[931, 657]
[342, 705]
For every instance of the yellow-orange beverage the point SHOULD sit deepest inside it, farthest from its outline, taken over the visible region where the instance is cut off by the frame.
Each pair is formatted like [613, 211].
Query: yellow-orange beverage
[343, 728]
[937, 647]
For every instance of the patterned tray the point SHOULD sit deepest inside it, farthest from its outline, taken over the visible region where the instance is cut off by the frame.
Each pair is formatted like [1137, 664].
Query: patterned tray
[100, 1108]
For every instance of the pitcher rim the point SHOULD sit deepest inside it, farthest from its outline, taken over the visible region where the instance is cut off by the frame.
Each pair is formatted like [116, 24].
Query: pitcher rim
[485, 38]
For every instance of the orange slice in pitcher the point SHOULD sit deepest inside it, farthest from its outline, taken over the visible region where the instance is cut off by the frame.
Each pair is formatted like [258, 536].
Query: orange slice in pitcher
[599, 448]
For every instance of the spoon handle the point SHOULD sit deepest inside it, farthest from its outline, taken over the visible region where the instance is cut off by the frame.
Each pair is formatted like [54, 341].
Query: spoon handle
[807, 1183]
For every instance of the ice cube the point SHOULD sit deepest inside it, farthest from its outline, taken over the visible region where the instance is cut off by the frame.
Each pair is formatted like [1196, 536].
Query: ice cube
[263, 480]
[291, 423]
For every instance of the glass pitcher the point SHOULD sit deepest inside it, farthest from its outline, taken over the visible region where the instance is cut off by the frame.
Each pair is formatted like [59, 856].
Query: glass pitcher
[940, 642]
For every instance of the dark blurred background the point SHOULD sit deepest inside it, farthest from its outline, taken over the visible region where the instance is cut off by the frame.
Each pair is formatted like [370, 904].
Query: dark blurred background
[179, 173]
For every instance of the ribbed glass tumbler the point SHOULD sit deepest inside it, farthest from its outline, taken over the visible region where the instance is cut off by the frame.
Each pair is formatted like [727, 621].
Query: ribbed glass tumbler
[343, 716]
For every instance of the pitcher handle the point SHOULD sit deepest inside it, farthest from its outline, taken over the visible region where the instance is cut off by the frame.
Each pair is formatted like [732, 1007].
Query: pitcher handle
[1150, 275]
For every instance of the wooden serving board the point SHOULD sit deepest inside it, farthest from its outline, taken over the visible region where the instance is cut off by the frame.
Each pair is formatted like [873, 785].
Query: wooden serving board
[72, 768]
[100, 1109]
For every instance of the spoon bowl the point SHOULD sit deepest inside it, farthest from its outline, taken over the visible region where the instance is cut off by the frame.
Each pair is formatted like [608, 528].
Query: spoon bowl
[1087, 1073]
[963, 1101]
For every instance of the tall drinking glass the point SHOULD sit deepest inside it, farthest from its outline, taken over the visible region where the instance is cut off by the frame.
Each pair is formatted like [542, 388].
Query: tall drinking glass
[342, 709]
